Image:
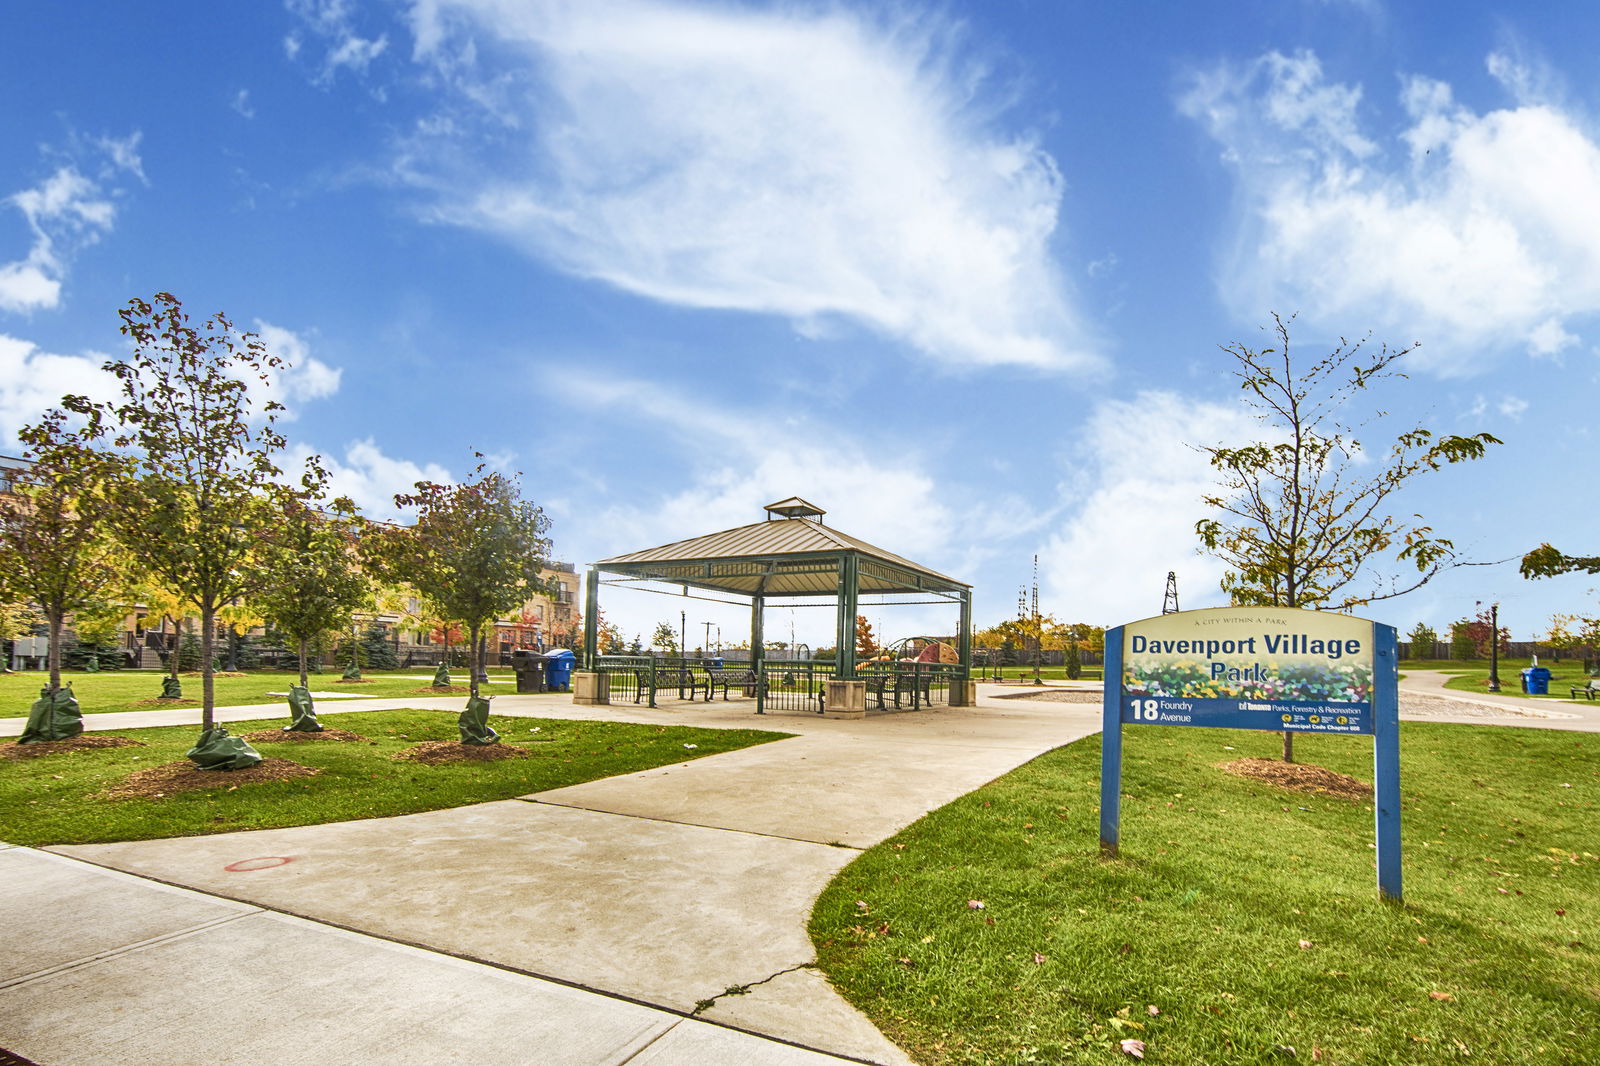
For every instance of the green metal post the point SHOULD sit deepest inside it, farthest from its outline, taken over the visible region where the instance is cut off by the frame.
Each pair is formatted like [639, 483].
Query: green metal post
[758, 632]
[964, 635]
[591, 618]
[849, 601]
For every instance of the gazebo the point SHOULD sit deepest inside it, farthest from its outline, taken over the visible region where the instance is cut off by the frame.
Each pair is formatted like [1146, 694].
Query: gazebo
[791, 556]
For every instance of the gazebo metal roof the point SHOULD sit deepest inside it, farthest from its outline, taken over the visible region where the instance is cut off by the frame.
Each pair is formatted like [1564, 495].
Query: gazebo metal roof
[780, 557]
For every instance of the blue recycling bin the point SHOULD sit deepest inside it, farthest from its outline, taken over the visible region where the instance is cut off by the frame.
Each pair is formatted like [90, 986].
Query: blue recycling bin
[1538, 680]
[558, 666]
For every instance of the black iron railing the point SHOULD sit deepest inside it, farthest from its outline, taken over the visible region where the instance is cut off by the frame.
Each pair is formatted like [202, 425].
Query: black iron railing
[792, 687]
[904, 686]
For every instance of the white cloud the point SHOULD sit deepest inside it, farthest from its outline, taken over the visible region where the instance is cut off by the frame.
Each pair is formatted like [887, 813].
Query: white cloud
[33, 381]
[65, 212]
[306, 378]
[1464, 229]
[1138, 498]
[241, 103]
[801, 163]
[333, 22]
[370, 477]
[1550, 339]
[1513, 407]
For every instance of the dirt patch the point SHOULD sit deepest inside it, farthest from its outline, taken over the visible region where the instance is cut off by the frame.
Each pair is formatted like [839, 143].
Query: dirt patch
[78, 743]
[295, 736]
[219, 673]
[452, 690]
[165, 701]
[354, 681]
[435, 752]
[185, 776]
[1299, 777]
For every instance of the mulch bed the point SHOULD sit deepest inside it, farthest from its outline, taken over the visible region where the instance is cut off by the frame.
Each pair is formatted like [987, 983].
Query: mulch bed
[435, 752]
[268, 736]
[354, 681]
[165, 701]
[452, 690]
[1299, 777]
[1052, 696]
[219, 673]
[77, 743]
[185, 776]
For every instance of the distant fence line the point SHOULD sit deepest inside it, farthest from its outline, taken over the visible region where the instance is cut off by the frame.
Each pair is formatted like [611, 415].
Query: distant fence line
[1516, 649]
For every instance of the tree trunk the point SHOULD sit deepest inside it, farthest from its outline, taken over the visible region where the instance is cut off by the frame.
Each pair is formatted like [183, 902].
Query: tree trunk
[472, 659]
[1288, 747]
[53, 652]
[208, 682]
[234, 640]
[177, 647]
[303, 645]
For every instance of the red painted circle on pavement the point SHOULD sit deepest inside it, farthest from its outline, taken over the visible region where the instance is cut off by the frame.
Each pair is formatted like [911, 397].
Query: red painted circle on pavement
[265, 862]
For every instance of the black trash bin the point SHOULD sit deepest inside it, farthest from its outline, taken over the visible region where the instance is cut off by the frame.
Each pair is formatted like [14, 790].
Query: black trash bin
[529, 666]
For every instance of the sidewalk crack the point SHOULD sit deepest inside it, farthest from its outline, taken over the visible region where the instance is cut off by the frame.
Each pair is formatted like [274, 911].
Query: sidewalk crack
[742, 990]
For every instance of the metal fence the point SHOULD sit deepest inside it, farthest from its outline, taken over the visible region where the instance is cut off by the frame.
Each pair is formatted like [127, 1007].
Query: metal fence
[793, 687]
[911, 686]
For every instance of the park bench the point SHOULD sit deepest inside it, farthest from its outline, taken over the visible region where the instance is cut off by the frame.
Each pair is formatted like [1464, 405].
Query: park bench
[882, 682]
[1588, 691]
[726, 677]
[683, 678]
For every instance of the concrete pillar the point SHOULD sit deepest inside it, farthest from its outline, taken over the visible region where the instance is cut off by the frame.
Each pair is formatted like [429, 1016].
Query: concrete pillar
[845, 699]
[591, 689]
[963, 693]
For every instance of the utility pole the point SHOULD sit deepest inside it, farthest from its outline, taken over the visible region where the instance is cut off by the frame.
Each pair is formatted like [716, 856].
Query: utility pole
[707, 646]
[1038, 636]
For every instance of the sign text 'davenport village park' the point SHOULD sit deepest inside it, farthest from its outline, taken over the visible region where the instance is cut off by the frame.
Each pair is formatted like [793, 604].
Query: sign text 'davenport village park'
[1264, 668]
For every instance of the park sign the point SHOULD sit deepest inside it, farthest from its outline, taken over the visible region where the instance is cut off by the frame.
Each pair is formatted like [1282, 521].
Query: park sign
[1267, 668]
[1250, 668]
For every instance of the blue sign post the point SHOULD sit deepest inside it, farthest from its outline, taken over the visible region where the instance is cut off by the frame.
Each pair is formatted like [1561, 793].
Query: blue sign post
[1267, 668]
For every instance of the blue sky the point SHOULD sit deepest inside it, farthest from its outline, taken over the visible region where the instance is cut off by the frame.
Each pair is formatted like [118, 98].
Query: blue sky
[956, 273]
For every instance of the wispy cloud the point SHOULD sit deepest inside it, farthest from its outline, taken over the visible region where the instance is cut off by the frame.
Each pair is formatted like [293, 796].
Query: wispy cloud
[812, 163]
[305, 378]
[371, 477]
[1466, 230]
[65, 212]
[1136, 505]
[332, 25]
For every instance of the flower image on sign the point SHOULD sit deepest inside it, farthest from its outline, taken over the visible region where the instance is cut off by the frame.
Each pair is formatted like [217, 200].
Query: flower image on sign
[1250, 668]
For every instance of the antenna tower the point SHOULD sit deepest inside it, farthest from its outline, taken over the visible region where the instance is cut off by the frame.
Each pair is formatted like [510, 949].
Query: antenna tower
[1169, 603]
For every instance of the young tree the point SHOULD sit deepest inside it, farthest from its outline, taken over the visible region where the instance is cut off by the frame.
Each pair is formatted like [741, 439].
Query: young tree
[866, 642]
[1422, 639]
[317, 584]
[474, 553]
[1304, 514]
[665, 638]
[55, 551]
[194, 503]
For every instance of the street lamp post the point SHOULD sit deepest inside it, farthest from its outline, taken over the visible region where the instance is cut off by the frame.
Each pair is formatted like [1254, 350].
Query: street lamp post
[1494, 647]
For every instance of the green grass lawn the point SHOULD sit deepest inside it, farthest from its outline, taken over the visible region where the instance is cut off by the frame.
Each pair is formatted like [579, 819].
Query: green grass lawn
[1245, 914]
[50, 799]
[126, 690]
[1473, 675]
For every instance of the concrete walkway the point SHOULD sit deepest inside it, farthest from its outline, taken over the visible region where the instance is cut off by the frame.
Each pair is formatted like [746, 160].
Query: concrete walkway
[664, 910]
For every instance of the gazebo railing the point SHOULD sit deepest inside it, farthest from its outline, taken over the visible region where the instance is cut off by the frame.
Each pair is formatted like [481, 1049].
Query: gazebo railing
[793, 687]
[909, 685]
